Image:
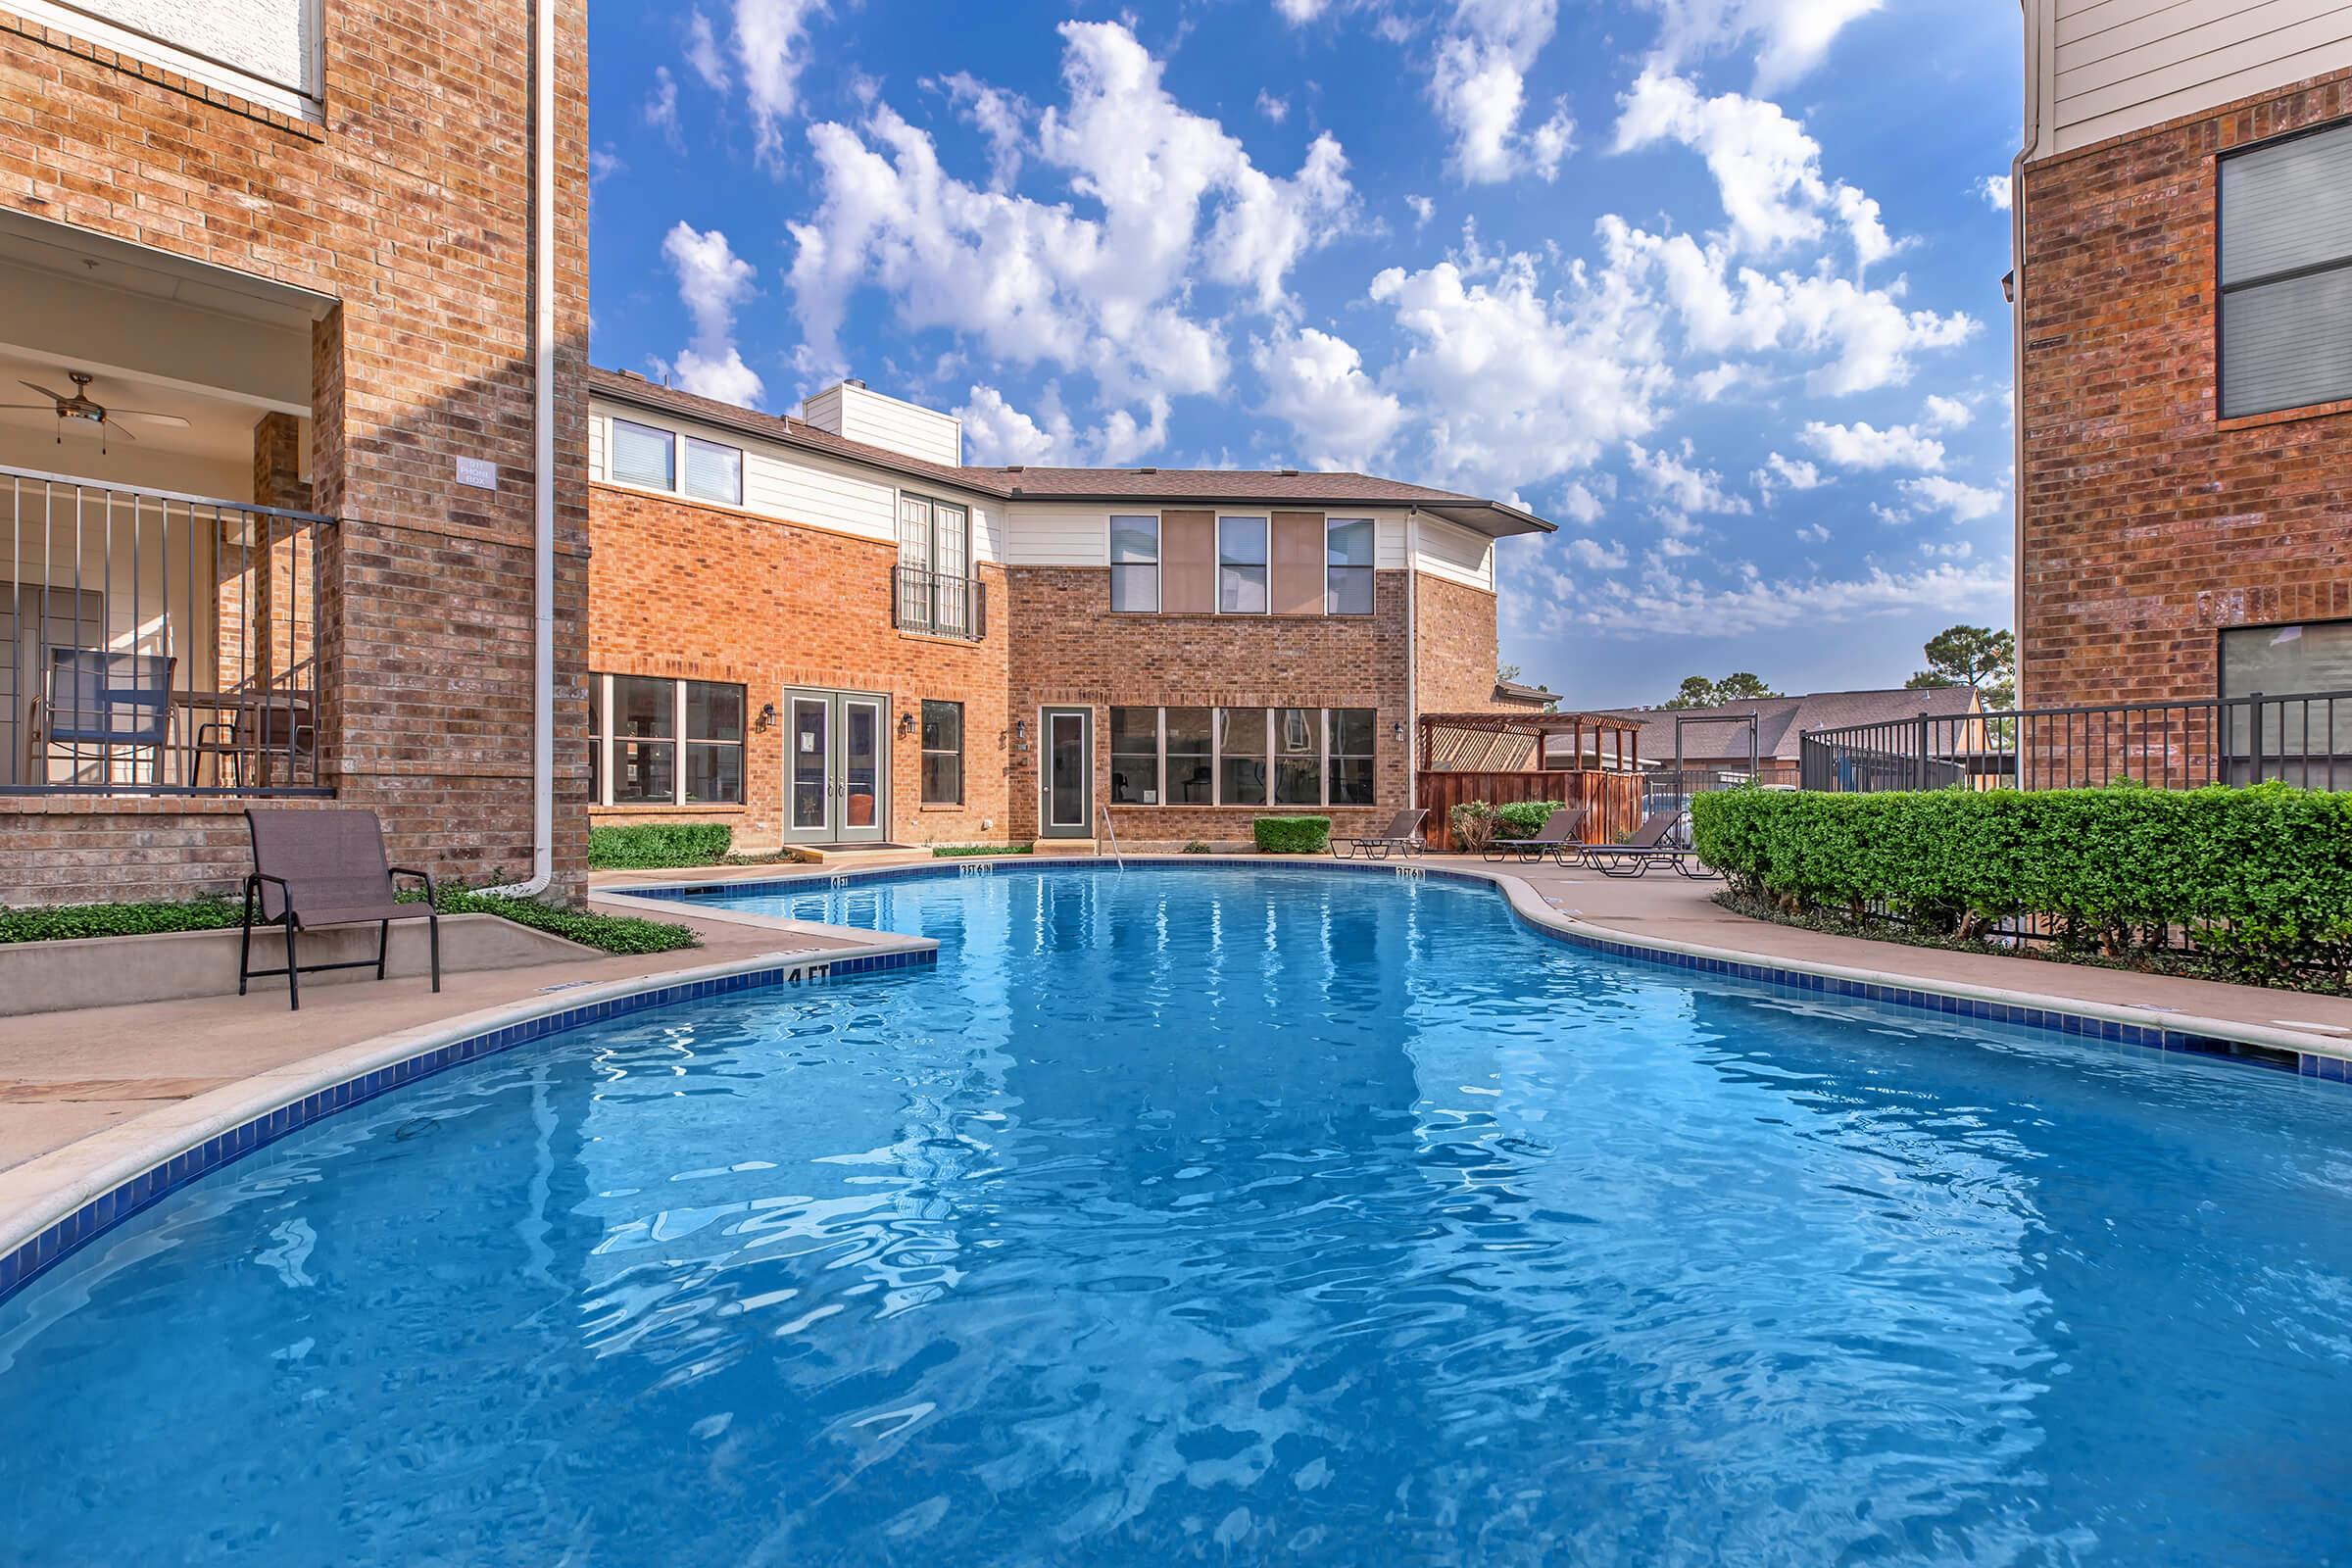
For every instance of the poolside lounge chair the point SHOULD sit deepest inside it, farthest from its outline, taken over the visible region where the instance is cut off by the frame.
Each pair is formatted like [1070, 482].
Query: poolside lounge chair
[1556, 835]
[1404, 837]
[1650, 844]
[322, 868]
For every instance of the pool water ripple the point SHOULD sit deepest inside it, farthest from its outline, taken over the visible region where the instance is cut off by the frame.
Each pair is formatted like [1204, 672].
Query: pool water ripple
[1226, 1216]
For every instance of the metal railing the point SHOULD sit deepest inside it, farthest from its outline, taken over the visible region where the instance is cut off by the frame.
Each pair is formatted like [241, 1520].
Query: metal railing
[1102, 815]
[2303, 739]
[153, 643]
[938, 603]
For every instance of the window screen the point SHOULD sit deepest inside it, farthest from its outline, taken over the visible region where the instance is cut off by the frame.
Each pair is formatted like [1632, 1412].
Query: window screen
[2285, 325]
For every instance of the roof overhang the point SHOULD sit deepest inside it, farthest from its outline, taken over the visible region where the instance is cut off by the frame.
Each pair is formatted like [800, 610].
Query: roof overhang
[1492, 518]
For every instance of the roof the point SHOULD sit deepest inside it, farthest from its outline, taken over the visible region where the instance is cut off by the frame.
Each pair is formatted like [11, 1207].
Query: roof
[1512, 691]
[1019, 482]
[1781, 721]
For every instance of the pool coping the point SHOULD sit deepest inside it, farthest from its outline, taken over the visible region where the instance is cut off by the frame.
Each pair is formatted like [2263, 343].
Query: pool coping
[53, 1204]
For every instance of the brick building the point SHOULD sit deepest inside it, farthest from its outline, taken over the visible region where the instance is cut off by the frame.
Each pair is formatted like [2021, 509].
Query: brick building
[2184, 291]
[287, 537]
[828, 629]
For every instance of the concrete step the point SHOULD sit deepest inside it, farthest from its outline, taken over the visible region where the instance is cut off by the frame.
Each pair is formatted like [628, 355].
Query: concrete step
[1065, 847]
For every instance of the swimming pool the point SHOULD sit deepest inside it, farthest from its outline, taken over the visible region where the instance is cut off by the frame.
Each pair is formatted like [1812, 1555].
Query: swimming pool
[1226, 1215]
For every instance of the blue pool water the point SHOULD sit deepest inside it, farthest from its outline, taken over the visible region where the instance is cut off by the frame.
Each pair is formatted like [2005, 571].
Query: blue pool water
[1226, 1216]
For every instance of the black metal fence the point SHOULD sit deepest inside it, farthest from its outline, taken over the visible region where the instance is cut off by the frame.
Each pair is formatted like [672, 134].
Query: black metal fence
[939, 605]
[2303, 739]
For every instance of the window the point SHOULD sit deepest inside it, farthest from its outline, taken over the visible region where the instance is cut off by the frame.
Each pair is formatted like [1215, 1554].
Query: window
[713, 472]
[1135, 756]
[636, 744]
[1191, 747]
[1242, 568]
[2285, 328]
[1348, 569]
[642, 455]
[1349, 768]
[2287, 662]
[935, 569]
[1241, 752]
[1298, 757]
[942, 753]
[1135, 563]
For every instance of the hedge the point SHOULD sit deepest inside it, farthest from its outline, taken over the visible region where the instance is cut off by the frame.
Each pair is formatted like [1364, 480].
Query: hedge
[960, 851]
[658, 846]
[612, 933]
[1293, 835]
[1523, 819]
[2260, 877]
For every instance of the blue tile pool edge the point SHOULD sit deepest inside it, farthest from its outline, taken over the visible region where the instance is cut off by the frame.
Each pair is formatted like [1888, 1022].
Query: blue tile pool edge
[22, 1265]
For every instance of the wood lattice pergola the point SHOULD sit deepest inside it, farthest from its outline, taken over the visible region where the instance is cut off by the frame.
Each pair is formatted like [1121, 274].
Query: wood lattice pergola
[1496, 742]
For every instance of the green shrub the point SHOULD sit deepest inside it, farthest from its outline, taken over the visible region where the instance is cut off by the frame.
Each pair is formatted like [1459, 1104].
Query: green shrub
[62, 923]
[611, 933]
[2261, 877]
[1293, 835]
[1523, 819]
[1473, 824]
[958, 852]
[658, 846]
[1195, 846]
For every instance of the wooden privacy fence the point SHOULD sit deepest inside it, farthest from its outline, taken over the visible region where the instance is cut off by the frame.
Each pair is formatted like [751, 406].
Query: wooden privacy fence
[1612, 801]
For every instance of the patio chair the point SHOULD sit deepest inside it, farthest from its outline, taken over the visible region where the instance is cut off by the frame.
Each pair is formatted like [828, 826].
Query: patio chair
[320, 868]
[1558, 833]
[98, 702]
[280, 732]
[1404, 837]
[1652, 844]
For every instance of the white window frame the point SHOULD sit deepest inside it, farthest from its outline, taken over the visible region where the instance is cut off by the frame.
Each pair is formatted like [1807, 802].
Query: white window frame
[1158, 563]
[677, 741]
[1370, 570]
[686, 441]
[612, 423]
[1269, 756]
[1265, 566]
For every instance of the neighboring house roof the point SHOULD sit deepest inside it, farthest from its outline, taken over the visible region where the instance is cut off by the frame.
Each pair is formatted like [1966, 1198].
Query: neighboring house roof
[1781, 721]
[1254, 486]
[1512, 691]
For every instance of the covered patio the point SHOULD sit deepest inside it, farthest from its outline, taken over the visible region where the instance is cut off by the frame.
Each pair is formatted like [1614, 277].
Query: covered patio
[1499, 757]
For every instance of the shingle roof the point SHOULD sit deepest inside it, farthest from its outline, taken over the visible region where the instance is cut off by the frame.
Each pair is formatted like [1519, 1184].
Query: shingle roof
[1781, 721]
[1252, 486]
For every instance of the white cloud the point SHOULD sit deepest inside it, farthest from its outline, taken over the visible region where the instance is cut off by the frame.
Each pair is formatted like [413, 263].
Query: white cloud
[1967, 502]
[771, 39]
[1680, 483]
[1790, 36]
[712, 281]
[702, 51]
[1666, 604]
[1423, 209]
[1767, 168]
[1994, 189]
[1479, 84]
[1785, 473]
[997, 432]
[1594, 555]
[1814, 533]
[1298, 13]
[1948, 413]
[1582, 503]
[1181, 203]
[1315, 383]
[999, 116]
[1275, 109]
[662, 108]
[1864, 446]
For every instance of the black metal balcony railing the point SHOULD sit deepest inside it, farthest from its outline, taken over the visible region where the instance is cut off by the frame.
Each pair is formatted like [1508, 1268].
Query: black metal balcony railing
[938, 604]
[2303, 739]
[153, 643]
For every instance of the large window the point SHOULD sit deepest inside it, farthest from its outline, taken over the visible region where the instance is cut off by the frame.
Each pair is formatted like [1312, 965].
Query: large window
[942, 753]
[1134, 563]
[1242, 566]
[1247, 757]
[2286, 325]
[648, 457]
[1347, 569]
[713, 472]
[643, 454]
[665, 742]
[2288, 661]
[935, 568]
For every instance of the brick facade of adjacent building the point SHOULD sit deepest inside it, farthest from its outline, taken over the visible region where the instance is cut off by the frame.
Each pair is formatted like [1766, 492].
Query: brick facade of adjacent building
[683, 590]
[2150, 525]
[408, 206]
[1454, 647]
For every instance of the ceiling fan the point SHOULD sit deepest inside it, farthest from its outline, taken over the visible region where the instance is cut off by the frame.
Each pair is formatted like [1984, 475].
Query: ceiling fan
[79, 405]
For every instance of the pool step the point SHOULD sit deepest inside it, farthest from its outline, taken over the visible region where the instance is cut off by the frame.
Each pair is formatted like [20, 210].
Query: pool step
[1063, 846]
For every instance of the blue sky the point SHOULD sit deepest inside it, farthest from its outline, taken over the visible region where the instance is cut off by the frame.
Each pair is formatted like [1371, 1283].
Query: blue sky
[1712, 283]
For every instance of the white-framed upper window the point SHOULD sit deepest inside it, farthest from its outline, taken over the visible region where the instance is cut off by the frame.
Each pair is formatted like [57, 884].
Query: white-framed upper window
[1348, 565]
[2285, 329]
[654, 459]
[1135, 561]
[714, 472]
[1242, 566]
[643, 454]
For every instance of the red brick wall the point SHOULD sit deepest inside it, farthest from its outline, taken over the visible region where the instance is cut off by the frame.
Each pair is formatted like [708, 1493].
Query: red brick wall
[687, 591]
[410, 204]
[2149, 524]
[1454, 628]
[1069, 649]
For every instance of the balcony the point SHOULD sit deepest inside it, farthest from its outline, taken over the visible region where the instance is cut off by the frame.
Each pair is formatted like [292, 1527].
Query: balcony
[936, 605]
[156, 643]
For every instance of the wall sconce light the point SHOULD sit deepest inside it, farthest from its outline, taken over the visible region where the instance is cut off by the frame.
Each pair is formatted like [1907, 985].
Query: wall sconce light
[768, 716]
[1020, 730]
[1396, 732]
[907, 722]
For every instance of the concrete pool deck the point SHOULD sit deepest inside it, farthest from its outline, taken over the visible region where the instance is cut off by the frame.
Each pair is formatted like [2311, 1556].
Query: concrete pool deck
[110, 1077]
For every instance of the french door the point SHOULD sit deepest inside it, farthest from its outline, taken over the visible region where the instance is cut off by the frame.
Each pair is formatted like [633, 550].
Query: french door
[836, 767]
[1066, 785]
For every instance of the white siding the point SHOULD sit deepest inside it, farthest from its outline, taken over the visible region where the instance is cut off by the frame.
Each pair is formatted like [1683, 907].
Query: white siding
[2107, 68]
[263, 50]
[860, 413]
[794, 486]
[1045, 533]
[1455, 553]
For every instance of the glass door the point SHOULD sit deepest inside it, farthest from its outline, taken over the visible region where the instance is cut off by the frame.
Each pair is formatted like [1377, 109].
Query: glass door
[836, 767]
[808, 767]
[858, 770]
[1069, 784]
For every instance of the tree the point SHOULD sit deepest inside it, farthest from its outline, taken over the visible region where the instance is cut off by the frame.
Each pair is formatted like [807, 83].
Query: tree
[1697, 691]
[1504, 674]
[1971, 656]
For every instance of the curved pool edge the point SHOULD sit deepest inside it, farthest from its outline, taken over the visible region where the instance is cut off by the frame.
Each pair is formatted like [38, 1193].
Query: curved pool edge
[57, 1202]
